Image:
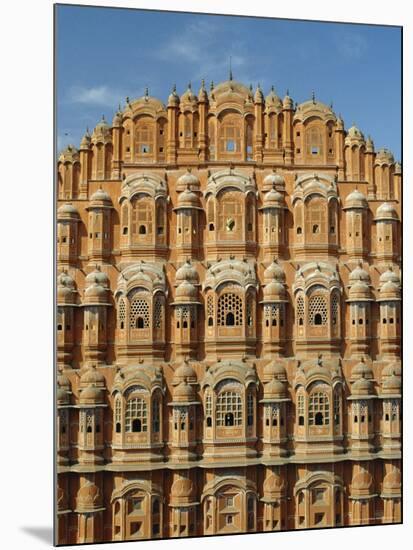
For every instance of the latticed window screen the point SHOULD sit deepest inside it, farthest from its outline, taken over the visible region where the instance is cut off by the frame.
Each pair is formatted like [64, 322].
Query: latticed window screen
[210, 306]
[250, 409]
[317, 310]
[272, 314]
[230, 218]
[136, 410]
[121, 312]
[229, 409]
[230, 134]
[158, 312]
[334, 308]
[142, 215]
[318, 409]
[144, 139]
[336, 404]
[230, 310]
[249, 309]
[208, 404]
[300, 309]
[300, 404]
[118, 409]
[139, 313]
[155, 415]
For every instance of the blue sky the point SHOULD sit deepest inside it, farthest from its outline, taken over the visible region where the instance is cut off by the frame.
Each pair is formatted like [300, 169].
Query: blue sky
[106, 54]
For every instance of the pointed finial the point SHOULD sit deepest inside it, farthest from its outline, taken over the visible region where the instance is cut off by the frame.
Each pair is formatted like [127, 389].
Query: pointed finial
[230, 67]
[331, 105]
[146, 92]
[259, 87]
[119, 107]
[211, 87]
[287, 92]
[272, 88]
[202, 84]
[313, 96]
[103, 118]
[174, 89]
[189, 85]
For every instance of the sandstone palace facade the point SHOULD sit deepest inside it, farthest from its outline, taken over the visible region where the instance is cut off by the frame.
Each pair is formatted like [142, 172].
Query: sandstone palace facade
[228, 321]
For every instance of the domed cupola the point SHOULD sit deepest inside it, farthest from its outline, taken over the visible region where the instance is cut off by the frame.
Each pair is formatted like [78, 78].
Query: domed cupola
[274, 291]
[100, 199]
[272, 180]
[355, 199]
[273, 199]
[187, 272]
[97, 286]
[86, 141]
[173, 99]
[386, 211]
[274, 271]
[361, 370]
[188, 200]
[354, 136]
[67, 212]
[184, 373]
[101, 132]
[258, 96]
[274, 369]
[273, 101]
[202, 94]
[66, 289]
[362, 387]
[63, 391]
[183, 393]
[188, 98]
[275, 390]
[188, 180]
[384, 156]
[288, 102]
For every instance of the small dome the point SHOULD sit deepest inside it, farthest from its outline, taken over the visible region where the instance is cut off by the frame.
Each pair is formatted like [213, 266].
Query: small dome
[369, 145]
[274, 199]
[187, 272]
[182, 487]
[392, 481]
[359, 290]
[362, 480]
[359, 274]
[340, 123]
[101, 197]
[393, 368]
[97, 276]
[85, 143]
[188, 96]
[66, 292]
[90, 395]
[187, 180]
[67, 211]
[186, 291]
[274, 484]
[96, 293]
[389, 291]
[184, 373]
[397, 168]
[288, 102]
[389, 275]
[274, 271]
[88, 496]
[92, 376]
[356, 199]
[188, 199]
[386, 211]
[274, 389]
[272, 99]
[183, 392]
[274, 369]
[384, 156]
[117, 119]
[392, 384]
[273, 180]
[354, 134]
[258, 96]
[173, 99]
[102, 126]
[69, 154]
[274, 291]
[63, 389]
[362, 386]
[202, 94]
[362, 370]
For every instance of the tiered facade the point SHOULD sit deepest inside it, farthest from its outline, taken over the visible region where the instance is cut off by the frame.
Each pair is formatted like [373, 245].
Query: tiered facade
[228, 321]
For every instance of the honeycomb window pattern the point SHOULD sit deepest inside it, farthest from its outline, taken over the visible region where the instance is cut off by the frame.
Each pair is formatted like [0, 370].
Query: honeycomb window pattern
[230, 310]
[229, 409]
[318, 409]
[300, 308]
[334, 308]
[300, 404]
[121, 313]
[118, 409]
[317, 310]
[136, 415]
[158, 312]
[139, 314]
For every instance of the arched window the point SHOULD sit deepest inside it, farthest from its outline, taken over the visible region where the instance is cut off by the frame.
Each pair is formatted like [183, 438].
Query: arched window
[300, 310]
[118, 414]
[250, 409]
[210, 310]
[155, 415]
[300, 409]
[334, 308]
[144, 137]
[139, 313]
[142, 215]
[124, 218]
[158, 311]
[317, 308]
[314, 142]
[318, 409]
[229, 310]
[230, 134]
[337, 405]
[121, 314]
[208, 409]
[230, 219]
[229, 409]
[136, 419]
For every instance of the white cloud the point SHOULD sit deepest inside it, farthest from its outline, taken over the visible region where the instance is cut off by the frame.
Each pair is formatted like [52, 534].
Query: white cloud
[94, 95]
[351, 45]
